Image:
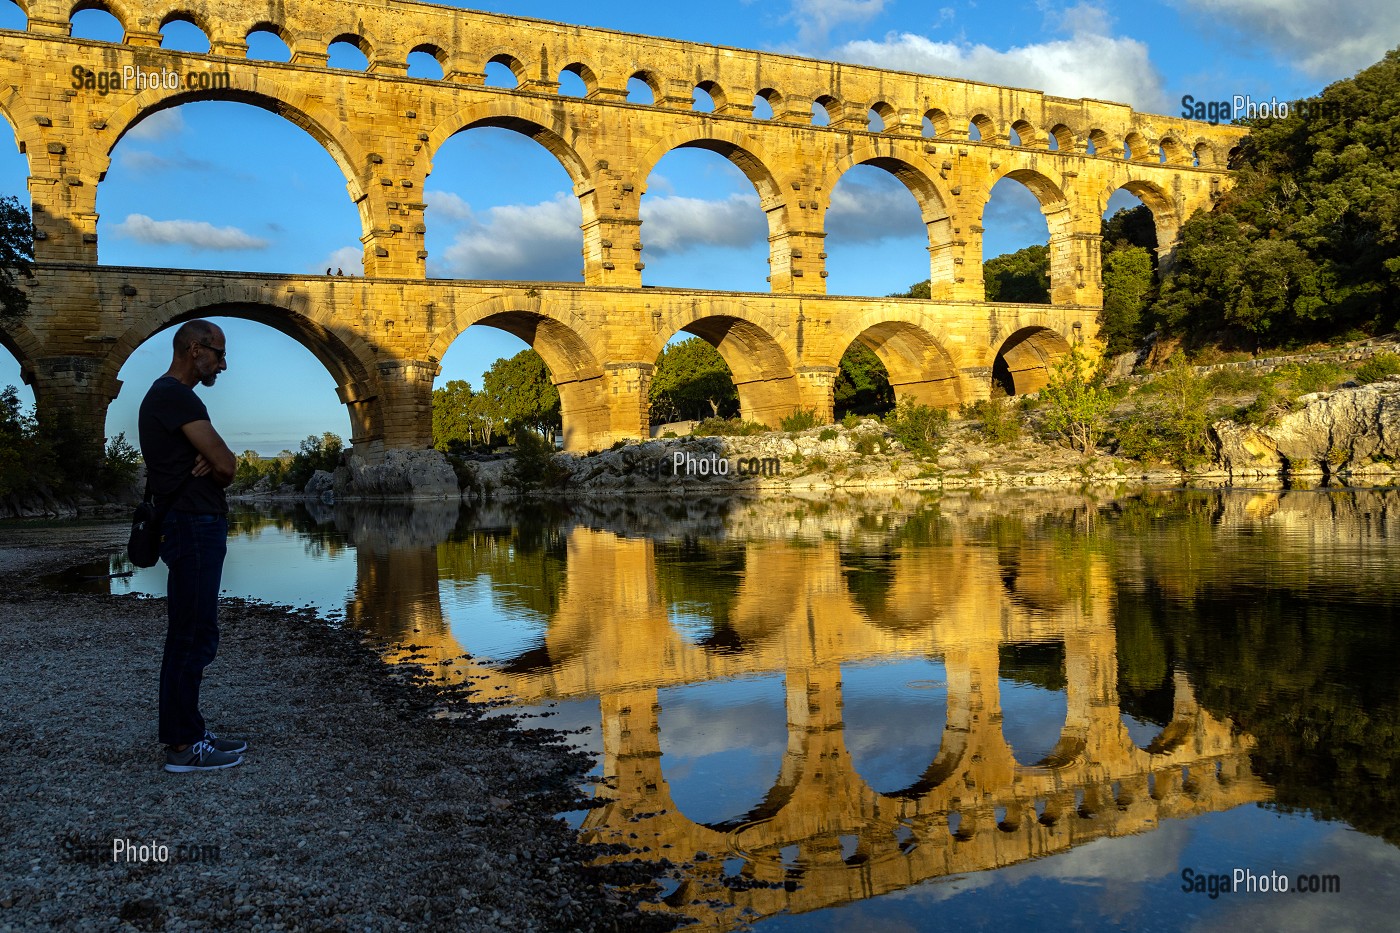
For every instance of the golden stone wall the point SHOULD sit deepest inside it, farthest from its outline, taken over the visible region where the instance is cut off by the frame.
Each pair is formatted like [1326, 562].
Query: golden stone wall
[382, 337]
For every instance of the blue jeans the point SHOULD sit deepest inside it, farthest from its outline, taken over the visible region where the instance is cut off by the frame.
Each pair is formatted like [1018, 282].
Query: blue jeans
[193, 547]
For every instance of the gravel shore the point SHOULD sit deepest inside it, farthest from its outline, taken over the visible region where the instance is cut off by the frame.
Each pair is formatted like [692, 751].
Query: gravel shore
[359, 806]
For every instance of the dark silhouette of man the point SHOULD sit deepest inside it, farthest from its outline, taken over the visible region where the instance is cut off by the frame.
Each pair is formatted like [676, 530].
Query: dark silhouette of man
[189, 465]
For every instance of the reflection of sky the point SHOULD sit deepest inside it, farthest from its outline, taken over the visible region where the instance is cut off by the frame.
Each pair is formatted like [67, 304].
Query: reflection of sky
[1032, 719]
[722, 744]
[272, 565]
[482, 626]
[1134, 883]
[894, 715]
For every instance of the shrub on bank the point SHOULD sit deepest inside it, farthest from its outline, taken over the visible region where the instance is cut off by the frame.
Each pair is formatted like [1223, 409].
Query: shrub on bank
[920, 428]
[799, 421]
[1377, 368]
[728, 427]
[1001, 423]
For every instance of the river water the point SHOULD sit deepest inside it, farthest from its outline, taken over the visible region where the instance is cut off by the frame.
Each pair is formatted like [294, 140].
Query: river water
[970, 711]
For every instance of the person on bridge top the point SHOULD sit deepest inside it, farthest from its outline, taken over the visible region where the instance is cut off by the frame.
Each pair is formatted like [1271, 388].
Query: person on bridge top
[189, 465]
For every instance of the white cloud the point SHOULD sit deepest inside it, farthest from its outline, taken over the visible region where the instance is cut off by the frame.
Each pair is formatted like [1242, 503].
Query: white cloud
[865, 213]
[192, 234]
[449, 206]
[1327, 40]
[516, 241]
[1089, 63]
[673, 225]
[159, 125]
[816, 18]
[349, 259]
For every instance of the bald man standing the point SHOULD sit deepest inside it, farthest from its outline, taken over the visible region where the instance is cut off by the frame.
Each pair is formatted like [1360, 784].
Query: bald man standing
[188, 465]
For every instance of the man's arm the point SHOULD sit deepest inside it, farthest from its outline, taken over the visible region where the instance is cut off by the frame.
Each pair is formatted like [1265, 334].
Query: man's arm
[214, 456]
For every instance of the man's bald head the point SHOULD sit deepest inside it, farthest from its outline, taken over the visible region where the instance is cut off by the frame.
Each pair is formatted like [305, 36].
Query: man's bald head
[193, 332]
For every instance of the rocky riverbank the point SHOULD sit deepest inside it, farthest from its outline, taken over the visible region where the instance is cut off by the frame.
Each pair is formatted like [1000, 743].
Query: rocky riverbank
[367, 801]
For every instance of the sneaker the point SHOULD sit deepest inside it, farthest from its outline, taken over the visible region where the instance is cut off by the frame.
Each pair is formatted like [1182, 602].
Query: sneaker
[201, 756]
[232, 746]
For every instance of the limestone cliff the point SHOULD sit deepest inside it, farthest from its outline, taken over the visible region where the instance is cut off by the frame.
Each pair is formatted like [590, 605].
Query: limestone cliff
[1352, 432]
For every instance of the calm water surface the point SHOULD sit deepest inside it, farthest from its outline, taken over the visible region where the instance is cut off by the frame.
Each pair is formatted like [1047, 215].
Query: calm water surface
[923, 713]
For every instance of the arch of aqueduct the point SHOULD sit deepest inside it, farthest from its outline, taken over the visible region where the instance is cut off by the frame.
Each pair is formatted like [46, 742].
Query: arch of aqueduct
[381, 337]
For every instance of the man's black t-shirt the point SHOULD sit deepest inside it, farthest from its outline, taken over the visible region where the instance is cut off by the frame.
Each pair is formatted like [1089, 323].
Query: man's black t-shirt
[169, 455]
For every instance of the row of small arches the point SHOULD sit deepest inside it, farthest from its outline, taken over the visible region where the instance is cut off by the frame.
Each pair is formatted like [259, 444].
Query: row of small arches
[268, 42]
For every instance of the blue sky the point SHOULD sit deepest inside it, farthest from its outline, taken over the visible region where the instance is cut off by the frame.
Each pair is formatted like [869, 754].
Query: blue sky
[180, 193]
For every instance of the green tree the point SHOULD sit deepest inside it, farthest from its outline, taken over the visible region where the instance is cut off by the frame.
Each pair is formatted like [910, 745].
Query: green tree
[862, 385]
[1127, 288]
[1022, 276]
[1307, 241]
[520, 392]
[454, 417]
[1077, 403]
[692, 380]
[16, 258]
[917, 290]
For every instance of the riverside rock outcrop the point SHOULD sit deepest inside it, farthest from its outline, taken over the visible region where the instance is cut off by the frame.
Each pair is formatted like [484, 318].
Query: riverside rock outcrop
[1351, 432]
[400, 474]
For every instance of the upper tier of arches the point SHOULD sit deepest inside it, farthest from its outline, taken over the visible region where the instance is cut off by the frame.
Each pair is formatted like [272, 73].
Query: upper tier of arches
[854, 97]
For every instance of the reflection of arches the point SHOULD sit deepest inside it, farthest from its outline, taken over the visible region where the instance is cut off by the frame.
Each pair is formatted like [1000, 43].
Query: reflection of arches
[920, 369]
[763, 375]
[1026, 359]
[349, 358]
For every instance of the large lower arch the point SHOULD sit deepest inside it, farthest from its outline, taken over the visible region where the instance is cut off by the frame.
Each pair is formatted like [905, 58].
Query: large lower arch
[245, 88]
[573, 365]
[762, 372]
[920, 369]
[1026, 359]
[351, 361]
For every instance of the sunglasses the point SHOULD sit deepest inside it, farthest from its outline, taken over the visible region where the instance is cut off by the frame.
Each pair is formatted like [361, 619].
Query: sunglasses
[215, 350]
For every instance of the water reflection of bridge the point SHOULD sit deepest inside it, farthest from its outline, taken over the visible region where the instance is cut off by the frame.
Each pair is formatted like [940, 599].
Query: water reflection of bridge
[822, 836]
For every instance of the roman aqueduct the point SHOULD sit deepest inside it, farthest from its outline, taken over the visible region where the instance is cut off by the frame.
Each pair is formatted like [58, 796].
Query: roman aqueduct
[382, 336]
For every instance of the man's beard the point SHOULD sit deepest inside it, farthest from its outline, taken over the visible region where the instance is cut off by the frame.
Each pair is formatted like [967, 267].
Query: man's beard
[208, 380]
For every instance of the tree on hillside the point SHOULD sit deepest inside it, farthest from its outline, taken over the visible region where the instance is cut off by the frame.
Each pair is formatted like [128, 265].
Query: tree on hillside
[1127, 289]
[16, 258]
[520, 392]
[1022, 276]
[862, 385]
[1307, 241]
[692, 381]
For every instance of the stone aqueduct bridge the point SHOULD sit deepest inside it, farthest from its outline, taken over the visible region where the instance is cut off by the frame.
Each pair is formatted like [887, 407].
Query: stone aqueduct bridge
[976, 806]
[381, 337]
